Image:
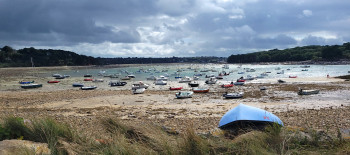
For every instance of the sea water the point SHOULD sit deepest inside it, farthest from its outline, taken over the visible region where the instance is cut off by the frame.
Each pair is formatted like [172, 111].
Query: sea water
[181, 70]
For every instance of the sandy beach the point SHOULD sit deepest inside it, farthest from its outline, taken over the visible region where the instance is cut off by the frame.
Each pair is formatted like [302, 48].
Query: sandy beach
[328, 110]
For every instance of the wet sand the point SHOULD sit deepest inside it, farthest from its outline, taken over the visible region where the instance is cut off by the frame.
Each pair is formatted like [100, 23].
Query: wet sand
[328, 110]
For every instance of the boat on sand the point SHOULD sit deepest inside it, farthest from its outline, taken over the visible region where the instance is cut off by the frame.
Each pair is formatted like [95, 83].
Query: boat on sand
[233, 95]
[200, 90]
[175, 88]
[247, 117]
[88, 88]
[184, 94]
[32, 85]
[308, 92]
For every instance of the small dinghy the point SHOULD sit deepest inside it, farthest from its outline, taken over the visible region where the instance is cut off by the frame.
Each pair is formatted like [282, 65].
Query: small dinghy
[88, 88]
[160, 82]
[32, 85]
[25, 82]
[88, 79]
[78, 85]
[238, 83]
[293, 76]
[139, 85]
[281, 81]
[233, 95]
[60, 77]
[118, 83]
[200, 90]
[87, 75]
[308, 92]
[193, 84]
[184, 94]
[211, 80]
[138, 91]
[53, 81]
[227, 85]
[175, 88]
[97, 80]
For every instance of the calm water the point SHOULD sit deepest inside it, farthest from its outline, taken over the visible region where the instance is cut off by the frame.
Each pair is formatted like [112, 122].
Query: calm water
[142, 73]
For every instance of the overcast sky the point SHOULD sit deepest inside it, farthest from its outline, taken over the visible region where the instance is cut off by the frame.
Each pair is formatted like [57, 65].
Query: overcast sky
[163, 28]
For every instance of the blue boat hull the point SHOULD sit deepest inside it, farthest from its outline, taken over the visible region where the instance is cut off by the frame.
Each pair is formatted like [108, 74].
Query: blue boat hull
[247, 115]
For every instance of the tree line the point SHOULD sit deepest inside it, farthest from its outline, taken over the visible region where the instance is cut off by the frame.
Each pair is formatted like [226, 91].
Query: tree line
[10, 57]
[315, 53]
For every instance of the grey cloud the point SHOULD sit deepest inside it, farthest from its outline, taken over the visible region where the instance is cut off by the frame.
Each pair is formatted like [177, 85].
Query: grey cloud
[185, 27]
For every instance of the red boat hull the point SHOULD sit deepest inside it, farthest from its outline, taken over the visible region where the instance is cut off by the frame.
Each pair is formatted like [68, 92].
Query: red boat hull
[226, 85]
[292, 76]
[201, 91]
[240, 80]
[87, 79]
[175, 88]
[53, 81]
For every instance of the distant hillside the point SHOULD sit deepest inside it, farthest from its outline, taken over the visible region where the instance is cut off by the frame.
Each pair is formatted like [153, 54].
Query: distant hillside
[316, 53]
[10, 57]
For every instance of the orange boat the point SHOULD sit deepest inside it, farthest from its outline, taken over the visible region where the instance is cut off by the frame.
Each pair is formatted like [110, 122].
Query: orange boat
[200, 90]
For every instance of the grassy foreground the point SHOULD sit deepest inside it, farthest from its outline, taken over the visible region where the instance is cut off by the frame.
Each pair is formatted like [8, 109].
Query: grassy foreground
[151, 139]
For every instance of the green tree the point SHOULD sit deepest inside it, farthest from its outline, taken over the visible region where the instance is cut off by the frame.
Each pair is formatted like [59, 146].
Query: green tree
[331, 53]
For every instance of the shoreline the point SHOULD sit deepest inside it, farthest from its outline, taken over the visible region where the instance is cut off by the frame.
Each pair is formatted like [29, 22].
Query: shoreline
[65, 103]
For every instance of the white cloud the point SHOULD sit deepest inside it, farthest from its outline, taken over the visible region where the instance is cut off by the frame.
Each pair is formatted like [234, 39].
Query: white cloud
[307, 13]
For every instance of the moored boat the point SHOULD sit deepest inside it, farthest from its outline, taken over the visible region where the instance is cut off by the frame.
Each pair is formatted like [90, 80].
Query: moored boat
[211, 80]
[131, 76]
[97, 80]
[60, 77]
[227, 85]
[31, 85]
[233, 95]
[139, 85]
[78, 85]
[88, 79]
[25, 82]
[193, 84]
[56, 75]
[281, 81]
[293, 76]
[238, 83]
[138, 90]
[184, 94]
[186, 79]
[160, 82]
[308, 92]
[175, 88]
[53, 81]
[200, 90]
[118, 83]
[88, 87]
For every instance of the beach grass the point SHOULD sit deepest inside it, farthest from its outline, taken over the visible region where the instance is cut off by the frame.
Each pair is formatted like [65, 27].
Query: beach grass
[120, 138]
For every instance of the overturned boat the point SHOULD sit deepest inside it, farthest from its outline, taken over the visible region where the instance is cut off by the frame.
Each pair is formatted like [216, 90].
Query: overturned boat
[244, 117]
